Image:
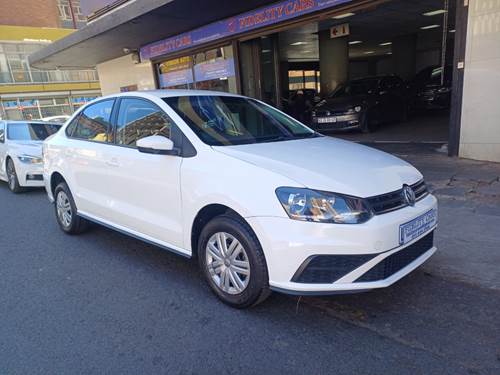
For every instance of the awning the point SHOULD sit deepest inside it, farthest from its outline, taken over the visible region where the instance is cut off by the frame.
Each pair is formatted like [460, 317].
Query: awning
[134, 24]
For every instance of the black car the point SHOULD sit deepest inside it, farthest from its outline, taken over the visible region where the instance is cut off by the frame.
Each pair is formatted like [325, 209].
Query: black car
[428, 91]
[362, 104]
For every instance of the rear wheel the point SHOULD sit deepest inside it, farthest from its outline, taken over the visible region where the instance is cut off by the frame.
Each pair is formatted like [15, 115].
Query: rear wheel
[66, 212]
[233, 262]
[12, 179]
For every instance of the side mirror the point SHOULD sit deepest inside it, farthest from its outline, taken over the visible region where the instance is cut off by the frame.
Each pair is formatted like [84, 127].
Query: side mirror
[157, 144]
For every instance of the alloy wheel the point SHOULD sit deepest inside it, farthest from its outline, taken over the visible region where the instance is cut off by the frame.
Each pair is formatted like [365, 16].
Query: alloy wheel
[64, 212]
[227, 263]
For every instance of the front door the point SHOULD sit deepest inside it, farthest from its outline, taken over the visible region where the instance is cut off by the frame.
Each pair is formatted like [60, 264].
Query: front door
[145, 195]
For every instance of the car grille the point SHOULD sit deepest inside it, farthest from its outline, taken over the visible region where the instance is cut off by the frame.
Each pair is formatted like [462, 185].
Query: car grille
[397, 261]
[335, 112]
[388, 202]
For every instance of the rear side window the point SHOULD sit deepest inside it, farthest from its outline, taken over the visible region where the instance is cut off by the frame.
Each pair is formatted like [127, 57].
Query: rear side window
[94, 122]
[394, 83]
[138, 118]
[2, 132]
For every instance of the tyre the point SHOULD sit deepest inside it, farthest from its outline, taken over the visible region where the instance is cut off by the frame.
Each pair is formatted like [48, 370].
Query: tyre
[66, 212]
[369, 124]
[12, 179]
[232, 261]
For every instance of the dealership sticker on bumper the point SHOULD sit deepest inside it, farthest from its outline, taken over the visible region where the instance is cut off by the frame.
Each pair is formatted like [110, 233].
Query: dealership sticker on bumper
[418, 226]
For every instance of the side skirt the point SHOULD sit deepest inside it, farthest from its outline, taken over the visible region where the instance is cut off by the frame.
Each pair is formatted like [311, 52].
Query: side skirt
[170, 248]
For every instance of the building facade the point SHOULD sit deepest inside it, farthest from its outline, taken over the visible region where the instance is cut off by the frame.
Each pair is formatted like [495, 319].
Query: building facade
[30, 93]
[269, 50]
[42, 13]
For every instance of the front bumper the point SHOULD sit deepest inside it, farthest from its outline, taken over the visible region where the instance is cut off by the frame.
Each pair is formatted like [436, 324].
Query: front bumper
[287, 244]
[29, 175]
[343, 121]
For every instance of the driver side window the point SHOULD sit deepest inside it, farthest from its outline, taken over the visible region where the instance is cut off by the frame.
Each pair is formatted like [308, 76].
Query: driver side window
[138, 118]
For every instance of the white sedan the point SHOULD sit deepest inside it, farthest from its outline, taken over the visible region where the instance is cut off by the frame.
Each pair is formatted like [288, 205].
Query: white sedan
[262, 201]
[21, 152]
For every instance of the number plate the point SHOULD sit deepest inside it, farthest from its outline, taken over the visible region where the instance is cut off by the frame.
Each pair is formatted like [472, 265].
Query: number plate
[326, 120]
[418, 226]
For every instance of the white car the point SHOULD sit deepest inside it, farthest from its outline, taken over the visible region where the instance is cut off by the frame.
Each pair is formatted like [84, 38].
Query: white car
[262, 201]
[21, 152]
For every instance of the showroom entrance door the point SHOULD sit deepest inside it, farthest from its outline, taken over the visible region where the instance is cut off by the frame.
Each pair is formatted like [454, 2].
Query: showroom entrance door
[259, 61]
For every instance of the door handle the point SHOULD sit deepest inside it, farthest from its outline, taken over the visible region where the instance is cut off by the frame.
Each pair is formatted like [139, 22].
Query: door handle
[113, 162]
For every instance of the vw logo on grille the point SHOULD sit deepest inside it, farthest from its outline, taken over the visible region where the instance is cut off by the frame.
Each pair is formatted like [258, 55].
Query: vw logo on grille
[408, 195]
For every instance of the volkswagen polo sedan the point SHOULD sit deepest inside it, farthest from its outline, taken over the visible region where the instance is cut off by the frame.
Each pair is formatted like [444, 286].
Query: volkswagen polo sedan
[263, 202]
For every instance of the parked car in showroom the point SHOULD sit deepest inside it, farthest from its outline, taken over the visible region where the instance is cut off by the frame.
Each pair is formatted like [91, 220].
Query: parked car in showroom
[245, 189]
[430, 91]
[362, 104]
[21, 152]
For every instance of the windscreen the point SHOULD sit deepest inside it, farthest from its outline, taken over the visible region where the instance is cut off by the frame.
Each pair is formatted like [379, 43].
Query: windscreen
[228, 120]
[353, 88]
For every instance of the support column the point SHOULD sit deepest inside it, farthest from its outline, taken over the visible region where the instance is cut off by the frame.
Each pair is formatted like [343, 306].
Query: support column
[333, 61]
[404, 56]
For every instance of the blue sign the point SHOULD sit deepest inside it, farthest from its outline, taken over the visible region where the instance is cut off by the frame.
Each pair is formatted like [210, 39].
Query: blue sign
[214, 70]
[82, 99]
[176, 77]
[265, 16]
[10, 104]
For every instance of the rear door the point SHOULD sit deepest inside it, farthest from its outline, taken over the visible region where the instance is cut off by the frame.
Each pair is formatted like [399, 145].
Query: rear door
[144, 196]
[88, 152]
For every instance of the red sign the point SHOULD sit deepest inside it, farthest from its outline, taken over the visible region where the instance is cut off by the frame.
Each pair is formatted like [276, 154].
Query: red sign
[339, 30]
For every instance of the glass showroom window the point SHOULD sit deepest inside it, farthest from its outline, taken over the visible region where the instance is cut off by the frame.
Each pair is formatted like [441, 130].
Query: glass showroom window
[208, 70]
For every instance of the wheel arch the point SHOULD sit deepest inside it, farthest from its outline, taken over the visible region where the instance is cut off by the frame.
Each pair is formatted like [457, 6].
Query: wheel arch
[5, 161]
[55, 179]
[206, 214]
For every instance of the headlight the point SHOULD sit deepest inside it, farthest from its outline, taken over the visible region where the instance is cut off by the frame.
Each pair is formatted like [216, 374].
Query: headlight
[28, 159]
[323, 207]
[354, 109]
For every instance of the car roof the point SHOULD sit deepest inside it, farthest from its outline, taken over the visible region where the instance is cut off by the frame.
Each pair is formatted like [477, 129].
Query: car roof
[169, 93]
[374, 78]
[28, 121]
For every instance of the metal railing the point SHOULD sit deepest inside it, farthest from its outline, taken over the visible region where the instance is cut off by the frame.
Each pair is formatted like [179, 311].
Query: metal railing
[48, 76]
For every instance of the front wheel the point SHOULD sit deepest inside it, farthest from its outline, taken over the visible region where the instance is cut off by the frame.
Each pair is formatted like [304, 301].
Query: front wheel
[369, 124]
[12, 179]
[66, 213]
[233, 262]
